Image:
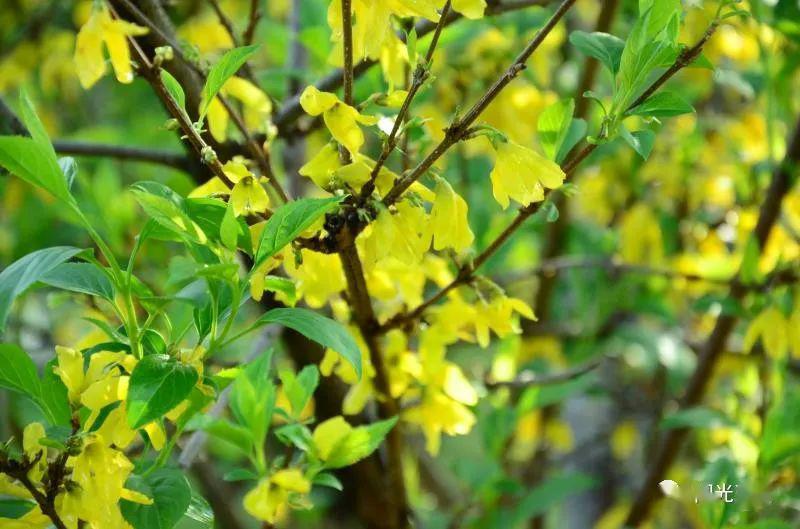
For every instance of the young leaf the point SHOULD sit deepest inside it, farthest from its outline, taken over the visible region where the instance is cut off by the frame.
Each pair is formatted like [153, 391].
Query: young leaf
[23, 273]
[698, 417]
[576, 132]
[34, 163]
[226, 68]
[662, 104]
[642, 141]
[55, 401]
[174, 88]
[253, 397]
[171, 495]
[325, 479]
[85, 278]
[282, 285]
[553, 126]
[543, 498]
[229, 228]
[298, 389]
[34, 125]
[18, 372]
[604, 47]
[539, 396]
[158, 384]
[167, 209]
[288, 222]
[325, 331]
[359, 443]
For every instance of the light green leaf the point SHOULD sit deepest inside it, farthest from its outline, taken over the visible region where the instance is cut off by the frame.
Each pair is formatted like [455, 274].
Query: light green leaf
[253, 397]
[174, 88]
[642, 141]
[553, 126]
[359, 443]
[23, 273]
[325, 479]
[158, 384]
[299, 389]
[85, 278]
[34, 163]
[200, 511]
[576, 132]
[229, 228]
[167, 209]
[604, 47]
[226, 68]
[288, 222]
[540, 396]
[284, 286]
[34, 125]
[698, 417]
[662, 104]
[171, 495]
[325, 331]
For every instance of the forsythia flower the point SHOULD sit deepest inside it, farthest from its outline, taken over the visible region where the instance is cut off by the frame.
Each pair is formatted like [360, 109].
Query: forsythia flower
[257, 108]
[99, 472]
[522, 174]
[322, 167]
[247, 195]
[448, 219]
[774, 330]
[98, 29]
[342, 120]
[271, 495]
[499, 316]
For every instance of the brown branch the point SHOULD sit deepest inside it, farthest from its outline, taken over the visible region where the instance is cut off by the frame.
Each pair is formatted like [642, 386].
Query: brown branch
[460, 127]
[19, 472]
[364, 316]
[527, 379]
[124, 152]
[466, 272]
[421, 73]
[291, 109]
[672, 441]
[252, 23]
[347, 71]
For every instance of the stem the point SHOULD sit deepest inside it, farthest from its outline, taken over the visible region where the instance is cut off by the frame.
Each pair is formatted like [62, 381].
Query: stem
[460, 127]
[124, 152]
[347, 71]
[255, 16]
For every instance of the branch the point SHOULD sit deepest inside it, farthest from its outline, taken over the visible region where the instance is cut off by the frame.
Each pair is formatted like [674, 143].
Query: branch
[255, 16]
[460, 127]
[347, 74]
[291, 109]
[124, 152]
[671, 443]
[421, 74]
[466, 273]
[529, 378]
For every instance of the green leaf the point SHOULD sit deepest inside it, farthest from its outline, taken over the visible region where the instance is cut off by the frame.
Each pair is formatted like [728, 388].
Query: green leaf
[171, 495]
[69, 168]
[35, 164]
[411, 47]
[85, 278]
[200, 511]
[540, 396]
[300, 388]
[158, 384]
[18, 372]
[229, 228]
[748, 270]
[662, 104]
[174, 88]
[284, 286]
[698, 417]
[324, 479]
[226, 68]
[576, 132]
[13, 508]
[642, 141]
[359, 443]
[26, 271]
[253, 397]
[547, 495]
[288, 222]
[167, 209]
[34, 125]
[236, 435]
[208, 213]
[55, 401]
[553, 126]
[297, 435]
[325, 331]
[604, 47]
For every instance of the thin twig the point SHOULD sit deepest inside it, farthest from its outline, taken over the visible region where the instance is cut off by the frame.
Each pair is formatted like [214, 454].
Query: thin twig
[460, 127]
[419, 77]
[528, 378]
[347, 71]
[466, 273]
[252, 23]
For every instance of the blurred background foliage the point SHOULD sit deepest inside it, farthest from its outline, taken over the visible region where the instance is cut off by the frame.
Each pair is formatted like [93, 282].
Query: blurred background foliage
[613, 279]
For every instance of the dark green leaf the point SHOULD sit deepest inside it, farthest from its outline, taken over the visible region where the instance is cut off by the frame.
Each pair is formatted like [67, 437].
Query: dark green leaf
[158, 384]
[325, 479]
[18, 372]
[322, 330]
[23, 273]
[85, 278]
[288, 222]
[13, 508]
[642, 141]
[55, 401]
[171, 496]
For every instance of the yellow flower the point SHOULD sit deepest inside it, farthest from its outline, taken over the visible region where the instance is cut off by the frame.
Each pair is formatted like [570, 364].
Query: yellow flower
[522, 174]
[328, 434]
[257, 108]
[439, 413]
[318, 277]
[470, 8]
[640, 236]
[321, 168]
[773, 329]
[342, 120]
[448, 220]
[247, 196]
[270, 497]
[499, 316]
[98, 29]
